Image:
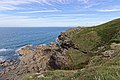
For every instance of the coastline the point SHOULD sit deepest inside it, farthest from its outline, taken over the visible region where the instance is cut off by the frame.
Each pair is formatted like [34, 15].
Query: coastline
[28, 54]
[74, 51]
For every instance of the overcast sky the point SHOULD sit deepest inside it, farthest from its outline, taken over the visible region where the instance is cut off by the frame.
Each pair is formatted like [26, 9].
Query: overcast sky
[57, 13]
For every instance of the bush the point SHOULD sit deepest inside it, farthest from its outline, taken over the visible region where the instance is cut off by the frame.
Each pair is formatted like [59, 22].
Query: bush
[117, 40]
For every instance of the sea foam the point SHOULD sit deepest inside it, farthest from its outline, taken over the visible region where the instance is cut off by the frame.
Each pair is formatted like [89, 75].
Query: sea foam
[4, 50]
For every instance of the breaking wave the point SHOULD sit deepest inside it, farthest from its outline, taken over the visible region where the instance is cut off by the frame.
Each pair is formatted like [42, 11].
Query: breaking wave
[4, 50]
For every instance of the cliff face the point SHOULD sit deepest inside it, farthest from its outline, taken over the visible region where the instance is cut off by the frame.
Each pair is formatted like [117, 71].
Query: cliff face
[87, 53]
[43, 57]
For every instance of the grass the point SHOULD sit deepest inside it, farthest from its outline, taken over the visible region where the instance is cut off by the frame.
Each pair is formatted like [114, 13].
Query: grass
[91, 37]
[52, 75]
[78, 59]
[88, 40]
[31, 76]
[116, 40]
[99, 73]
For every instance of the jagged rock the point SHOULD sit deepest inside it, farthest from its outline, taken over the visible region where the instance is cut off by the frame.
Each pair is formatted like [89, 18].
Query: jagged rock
[64, 41]
[2, 61]
[41, 58]
[58, 60]
[7, 63]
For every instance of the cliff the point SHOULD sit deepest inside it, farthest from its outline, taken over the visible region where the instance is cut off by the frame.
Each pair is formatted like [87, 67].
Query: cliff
[83, 53]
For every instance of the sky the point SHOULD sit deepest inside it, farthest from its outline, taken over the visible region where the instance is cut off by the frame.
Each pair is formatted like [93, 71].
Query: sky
[57, 13]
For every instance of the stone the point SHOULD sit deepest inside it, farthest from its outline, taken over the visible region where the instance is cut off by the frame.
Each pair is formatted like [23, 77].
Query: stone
[40, 76]
[108, 53]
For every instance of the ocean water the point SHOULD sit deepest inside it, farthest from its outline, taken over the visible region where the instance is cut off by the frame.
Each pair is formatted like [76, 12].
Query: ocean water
[12, 39]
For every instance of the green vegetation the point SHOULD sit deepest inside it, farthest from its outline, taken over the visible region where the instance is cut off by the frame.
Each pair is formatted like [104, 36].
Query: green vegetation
[78, 60]
[51, 75]
[31, 76]
[87, 62]
[117, 40]
[88, 39]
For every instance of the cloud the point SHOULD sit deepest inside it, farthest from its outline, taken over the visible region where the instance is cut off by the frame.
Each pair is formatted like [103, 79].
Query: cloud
[84, 1]
[42, 11]
[15, 4]
[27, 21]
[54, 12]
[108, 10]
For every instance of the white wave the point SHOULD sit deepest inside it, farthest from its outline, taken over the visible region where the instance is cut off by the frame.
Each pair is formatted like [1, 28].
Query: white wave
[4, 50]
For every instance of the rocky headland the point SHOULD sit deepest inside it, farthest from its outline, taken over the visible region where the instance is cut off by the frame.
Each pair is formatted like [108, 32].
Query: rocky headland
[82, 53]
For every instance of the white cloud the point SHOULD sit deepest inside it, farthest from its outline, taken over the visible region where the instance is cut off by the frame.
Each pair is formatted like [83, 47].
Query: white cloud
[108, 10]
[42, 11]
[70, 13]
[13, 4]
[84, 1]
[26, 21]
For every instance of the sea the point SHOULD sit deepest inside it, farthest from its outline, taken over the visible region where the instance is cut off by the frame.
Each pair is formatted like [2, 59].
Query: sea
[13, 38]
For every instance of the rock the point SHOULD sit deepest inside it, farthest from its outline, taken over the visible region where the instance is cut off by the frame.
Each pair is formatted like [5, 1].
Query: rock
[2, 61]
[33, 61]
[41, 57]
[25, 50]
[53, 46]
[102, 48]
[118, 34]
[64, 41]
[40, 76]
[12, 67]
[108, 53]
[58, 60]
[115, 46]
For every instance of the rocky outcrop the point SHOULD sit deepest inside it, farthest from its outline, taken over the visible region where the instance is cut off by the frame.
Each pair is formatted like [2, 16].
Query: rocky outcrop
[5, 63]
[64, 42]
[58, 60]
[41, 58]
[64, 38]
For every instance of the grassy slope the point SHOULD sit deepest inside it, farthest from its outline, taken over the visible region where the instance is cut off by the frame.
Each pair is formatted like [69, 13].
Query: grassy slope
[95, 67]
[102, 68]
[89, 39]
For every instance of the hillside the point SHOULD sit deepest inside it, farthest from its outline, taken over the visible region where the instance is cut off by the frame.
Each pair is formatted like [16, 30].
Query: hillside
[83, 53]
[83, 43]
[93, 53]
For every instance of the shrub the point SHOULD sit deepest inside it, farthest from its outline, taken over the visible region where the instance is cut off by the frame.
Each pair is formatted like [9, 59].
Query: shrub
[116, 40]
